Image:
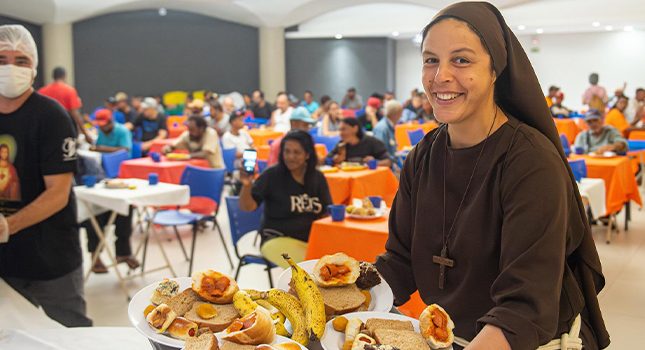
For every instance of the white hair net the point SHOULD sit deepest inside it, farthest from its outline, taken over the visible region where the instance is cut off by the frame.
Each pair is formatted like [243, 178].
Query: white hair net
[14, 37]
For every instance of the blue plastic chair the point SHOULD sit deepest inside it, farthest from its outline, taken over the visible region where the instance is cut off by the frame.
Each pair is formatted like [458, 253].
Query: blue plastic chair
[243, 223]
[137, 151]
[329, 141]
[565, 144]
[579, 168]
[229, 159]
[112, 162]
[415, 136]
[262, 164]
[204, 184]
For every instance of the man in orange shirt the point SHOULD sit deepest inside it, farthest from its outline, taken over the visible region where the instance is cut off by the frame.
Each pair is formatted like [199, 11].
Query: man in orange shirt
[67, 96]
[553, 90]
[616, 117]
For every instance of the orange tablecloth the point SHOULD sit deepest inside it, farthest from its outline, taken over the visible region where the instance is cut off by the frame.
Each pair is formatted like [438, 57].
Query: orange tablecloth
[620, 182]
[346, 185]
[158, 145]
[169, 170]
[261, 137]
[265, 150]
[361, 239]
[401, 132]
[567, 127]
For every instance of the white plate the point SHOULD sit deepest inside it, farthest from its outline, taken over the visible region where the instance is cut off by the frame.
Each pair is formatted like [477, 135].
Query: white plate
[142, 299]
[382, 296]
[278, 340]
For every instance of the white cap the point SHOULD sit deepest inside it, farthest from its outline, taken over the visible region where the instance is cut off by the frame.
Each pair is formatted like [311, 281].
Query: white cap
[149, 102]
[14, 37]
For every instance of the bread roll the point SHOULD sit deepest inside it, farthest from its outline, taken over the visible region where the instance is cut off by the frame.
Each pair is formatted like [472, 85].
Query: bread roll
[164, 291]
[181, 328]
[336, 270]
[161, 317]
[254, 329]
[214, 286]
[436, 327]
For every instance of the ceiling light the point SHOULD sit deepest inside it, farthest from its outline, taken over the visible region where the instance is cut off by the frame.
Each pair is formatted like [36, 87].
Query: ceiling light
[521, 27]
[395, 33]
[539, 30]
[338, 36]
[163, 11]
[595, 24]
[629, 28]
[609, 28]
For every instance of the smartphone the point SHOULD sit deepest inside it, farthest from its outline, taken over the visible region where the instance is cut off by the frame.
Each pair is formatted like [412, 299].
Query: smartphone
[249, 159]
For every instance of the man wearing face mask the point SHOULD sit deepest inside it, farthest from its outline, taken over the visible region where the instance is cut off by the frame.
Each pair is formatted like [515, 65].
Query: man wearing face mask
[40, 253]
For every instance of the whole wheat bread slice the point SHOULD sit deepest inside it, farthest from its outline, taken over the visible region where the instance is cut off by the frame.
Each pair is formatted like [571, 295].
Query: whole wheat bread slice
[404, 340]
[373, 324]
[206, 341]
[227, 345]
[226, 314]
[341, 300]
[183, 302]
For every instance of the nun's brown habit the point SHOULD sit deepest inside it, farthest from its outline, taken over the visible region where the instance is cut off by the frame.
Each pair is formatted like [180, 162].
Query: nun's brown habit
[525, 260]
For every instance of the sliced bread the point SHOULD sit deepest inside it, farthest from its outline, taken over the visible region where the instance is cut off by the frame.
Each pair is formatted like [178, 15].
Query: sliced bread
[227, 345]
[226, 314]
[183, 302]
[404, 340]
[341, 300]
[206, 341]
[373, 324]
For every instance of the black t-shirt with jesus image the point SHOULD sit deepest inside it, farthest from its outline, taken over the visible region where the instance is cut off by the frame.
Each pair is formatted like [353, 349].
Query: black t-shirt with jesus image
[37, 140]
[290, 207]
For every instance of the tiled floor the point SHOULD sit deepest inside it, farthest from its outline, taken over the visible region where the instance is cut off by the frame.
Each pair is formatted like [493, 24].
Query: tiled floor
[622, 300]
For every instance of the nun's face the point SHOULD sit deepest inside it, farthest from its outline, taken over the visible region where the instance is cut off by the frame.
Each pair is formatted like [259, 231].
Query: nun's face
[457, 74]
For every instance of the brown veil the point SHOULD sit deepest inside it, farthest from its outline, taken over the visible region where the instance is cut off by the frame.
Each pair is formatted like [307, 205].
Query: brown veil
[519, 94]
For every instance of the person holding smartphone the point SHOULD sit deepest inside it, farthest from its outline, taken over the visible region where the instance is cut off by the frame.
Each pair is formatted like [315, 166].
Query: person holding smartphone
[294, 192]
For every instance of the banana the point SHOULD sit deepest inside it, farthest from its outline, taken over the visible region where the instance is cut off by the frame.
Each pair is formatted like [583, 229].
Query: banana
[290, 306]
[243, 303]
[311, 300]
[277, 316]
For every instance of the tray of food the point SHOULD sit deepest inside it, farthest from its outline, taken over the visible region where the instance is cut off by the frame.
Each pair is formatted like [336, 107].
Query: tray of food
[352, 166]
[364, 210]
[178, 156]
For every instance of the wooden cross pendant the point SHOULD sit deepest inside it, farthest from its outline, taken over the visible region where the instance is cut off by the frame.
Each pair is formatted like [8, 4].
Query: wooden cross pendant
[443, 261]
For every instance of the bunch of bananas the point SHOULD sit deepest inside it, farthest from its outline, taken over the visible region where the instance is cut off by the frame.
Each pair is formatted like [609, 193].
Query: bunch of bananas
[306, 313]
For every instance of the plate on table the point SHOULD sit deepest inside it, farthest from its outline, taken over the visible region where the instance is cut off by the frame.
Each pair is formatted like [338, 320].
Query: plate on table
[382, 296]
[603, 155]
[278, 340]
[379, 214]
[328, 169]
[116, 184]
[333, 340]
[178, 156]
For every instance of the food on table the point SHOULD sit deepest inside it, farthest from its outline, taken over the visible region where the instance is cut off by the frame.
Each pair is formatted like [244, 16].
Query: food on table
[278, 318]
[328, 169]
[404, 340]
[161, 317]
[366, 208]
[245, 305]
[352, 329]
[291, 307]
[254, 329]
[206, 311]
[336, 270]
[182, 328]
[164, 291]
[224, 316]
[361, 340]
[342, 300]
[436, 327]
[339, 323]
[352, 166]
[214, 286]
[148, 309]
[183, 302]
[373, 324]
[310, 298]
[116, 184]
[178, 156]
[203, 340]
[368, 276]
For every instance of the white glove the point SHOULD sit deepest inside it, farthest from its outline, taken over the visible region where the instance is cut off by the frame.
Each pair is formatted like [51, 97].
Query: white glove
[4, 229]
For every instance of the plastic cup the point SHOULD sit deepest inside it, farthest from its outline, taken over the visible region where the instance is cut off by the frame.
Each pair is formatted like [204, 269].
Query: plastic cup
[579, 150]
[376, 201]
[156, 157]
[89, 180]
[153, 178]
[337, 212]
[372, 164]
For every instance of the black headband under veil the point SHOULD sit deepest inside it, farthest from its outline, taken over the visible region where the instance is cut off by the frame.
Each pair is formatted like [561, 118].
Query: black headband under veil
[519, 94]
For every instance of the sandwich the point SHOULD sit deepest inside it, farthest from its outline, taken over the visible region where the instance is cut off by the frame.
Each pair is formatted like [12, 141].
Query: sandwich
[204, 341]
[436, 327]
[215, 317]
[404, 340]
[164, 291]
[254, 329]
[336, 270]
[183, 302]
[214, 286]
[161, 317]
[341, 300]
[181, 328]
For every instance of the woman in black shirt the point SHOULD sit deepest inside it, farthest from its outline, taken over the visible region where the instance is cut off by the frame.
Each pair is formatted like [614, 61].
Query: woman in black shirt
[355, 146]
[293, 191]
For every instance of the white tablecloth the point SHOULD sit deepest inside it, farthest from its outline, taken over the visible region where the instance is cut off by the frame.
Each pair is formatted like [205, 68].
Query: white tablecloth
[594, 191]
[119, 200]
[95, 338]
[18, 312]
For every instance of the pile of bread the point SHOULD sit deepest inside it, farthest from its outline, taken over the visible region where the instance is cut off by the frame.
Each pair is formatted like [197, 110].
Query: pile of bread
[365, 209]
[387, 334]
[197, 313]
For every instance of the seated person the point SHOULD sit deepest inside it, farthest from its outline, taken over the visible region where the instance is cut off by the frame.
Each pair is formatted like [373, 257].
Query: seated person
[384, 129]
[557, 109]
[616, 116]
[237, 137]
[260, 107]
[200, 141]
[195, 107]
[122, 105]
[219, 119]
[370, 115]
[151, 122]
[425, 114]
[355, 146]
[309, 102]
[294, 192]
[282, 113]
[112, 137]
[300, 120]
[331, 119]
[600, 138]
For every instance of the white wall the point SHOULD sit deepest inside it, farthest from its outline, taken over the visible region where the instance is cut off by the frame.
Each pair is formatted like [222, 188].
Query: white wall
[564, 60]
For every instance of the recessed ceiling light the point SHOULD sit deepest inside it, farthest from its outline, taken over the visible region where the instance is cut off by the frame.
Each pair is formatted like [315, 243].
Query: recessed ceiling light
[539, 30]
[395, 33]
[595, 24]
[521, 27]
[629, 28]
[338, 36]
[609, 28]
[163, 11]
